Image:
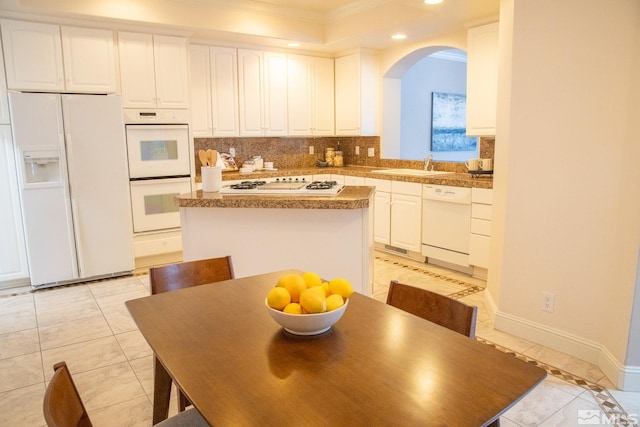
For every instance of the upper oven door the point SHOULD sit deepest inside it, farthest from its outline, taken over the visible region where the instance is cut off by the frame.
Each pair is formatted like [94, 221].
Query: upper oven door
[158, 150]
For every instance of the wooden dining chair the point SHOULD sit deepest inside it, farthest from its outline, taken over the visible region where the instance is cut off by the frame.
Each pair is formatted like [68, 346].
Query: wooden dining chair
[434, 307]
[63, 406]
[185, 275]
[191, 273]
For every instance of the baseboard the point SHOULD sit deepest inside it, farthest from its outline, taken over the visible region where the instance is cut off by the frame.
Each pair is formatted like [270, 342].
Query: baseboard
[626, 378]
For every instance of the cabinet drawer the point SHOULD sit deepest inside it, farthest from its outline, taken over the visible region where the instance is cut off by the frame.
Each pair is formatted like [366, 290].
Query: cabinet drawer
[380, 184]
[408, 188]
[481, 211]
[481, 226]
[482, 195]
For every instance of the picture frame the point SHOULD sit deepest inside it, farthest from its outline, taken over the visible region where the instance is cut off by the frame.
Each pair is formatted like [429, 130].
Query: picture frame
[448, 123]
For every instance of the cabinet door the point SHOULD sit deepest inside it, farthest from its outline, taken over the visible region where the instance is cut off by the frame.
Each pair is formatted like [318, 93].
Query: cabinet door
[13, 257]
[347, 95]
[250, 80]
[224, 95]
[200, 87]
[406, 218]
[137, 74]
[479, 247]
[382, 217]
[322, 96]
[299, 94]
[33, 56]
[172, 81]
[482, 79]
[353, 180]
[275, 93]
[89, 60]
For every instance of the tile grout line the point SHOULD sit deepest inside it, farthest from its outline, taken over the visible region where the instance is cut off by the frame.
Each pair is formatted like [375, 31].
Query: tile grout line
[600, 394]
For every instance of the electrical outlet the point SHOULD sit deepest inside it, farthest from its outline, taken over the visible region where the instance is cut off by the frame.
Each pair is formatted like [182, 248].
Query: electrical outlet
[371, 152]
[232, 152]
[357, 150]
[548, 301]
[311, 149]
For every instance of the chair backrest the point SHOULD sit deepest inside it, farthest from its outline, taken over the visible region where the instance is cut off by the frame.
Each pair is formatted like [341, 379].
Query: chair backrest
[191, 273]
[62, 404]
[434, 307]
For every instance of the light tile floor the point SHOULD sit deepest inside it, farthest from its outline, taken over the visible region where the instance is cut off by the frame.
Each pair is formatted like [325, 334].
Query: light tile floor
[88, 326]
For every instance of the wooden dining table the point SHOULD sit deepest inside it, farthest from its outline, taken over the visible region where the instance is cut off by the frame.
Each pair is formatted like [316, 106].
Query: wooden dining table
[378, 365]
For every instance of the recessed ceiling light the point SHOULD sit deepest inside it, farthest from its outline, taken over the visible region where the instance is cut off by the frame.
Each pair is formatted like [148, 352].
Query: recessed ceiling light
[399, 36]
[432, 1]
[293, 44]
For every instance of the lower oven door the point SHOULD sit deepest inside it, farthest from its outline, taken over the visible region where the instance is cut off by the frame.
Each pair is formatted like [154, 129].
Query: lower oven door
[153, 203]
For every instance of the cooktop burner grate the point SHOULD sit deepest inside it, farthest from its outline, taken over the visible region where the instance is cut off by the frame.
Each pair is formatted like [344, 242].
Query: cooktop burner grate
[321, 185]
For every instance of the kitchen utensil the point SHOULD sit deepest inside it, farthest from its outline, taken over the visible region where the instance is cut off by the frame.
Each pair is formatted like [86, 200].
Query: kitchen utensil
[213, 160]
[204, 159]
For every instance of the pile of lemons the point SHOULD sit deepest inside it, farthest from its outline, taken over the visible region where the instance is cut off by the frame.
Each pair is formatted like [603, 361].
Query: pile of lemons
[307, 293]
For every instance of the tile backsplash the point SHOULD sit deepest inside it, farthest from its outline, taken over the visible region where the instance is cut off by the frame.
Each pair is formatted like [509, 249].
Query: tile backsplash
[288, 152]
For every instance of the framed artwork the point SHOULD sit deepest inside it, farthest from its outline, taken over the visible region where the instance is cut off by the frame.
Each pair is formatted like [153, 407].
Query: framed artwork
[448, 123]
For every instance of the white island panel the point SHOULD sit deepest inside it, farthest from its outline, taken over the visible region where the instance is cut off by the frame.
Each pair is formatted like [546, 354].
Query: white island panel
[330, 242]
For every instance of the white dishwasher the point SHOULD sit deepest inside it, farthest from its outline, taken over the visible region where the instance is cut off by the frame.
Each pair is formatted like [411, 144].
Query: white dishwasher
[446, 223]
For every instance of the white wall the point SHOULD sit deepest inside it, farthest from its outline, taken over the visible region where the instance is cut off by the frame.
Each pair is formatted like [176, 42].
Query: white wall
[567, 215]
[418, 83]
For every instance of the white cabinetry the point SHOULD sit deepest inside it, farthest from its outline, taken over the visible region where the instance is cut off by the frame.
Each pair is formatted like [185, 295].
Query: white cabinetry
[480, 237]
[310, 93]
[482, 79]
[13, 257]
[39, 55]
[262, 85]
[406, 215]
[214, 91]
[381, 210]
[89, 60]
[397, 213]
[153, 71]
[357, 99]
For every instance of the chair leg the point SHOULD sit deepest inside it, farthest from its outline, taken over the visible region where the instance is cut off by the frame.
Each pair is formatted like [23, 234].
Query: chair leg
[183, 402]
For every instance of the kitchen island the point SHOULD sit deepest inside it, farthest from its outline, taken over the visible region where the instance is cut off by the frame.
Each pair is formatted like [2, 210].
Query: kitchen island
[330, 235]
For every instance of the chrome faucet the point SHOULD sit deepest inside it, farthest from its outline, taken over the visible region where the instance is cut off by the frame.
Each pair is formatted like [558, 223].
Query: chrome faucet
[427, 161]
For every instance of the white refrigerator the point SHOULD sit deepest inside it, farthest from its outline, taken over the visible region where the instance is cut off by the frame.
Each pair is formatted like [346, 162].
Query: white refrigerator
[74, 186]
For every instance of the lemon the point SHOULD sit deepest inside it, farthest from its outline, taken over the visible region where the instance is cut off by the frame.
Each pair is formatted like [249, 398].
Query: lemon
[294, 283]
[311, 279]
[334, 301]
[319, 289]
[341, 287]
[327, 291]
[278, 298]
[293, 308]
[313, 302]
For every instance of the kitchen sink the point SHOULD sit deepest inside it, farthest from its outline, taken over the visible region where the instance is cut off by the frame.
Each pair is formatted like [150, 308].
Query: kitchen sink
[410, 172]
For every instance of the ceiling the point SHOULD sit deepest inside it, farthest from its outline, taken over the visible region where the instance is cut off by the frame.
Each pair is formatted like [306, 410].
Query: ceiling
[318, 25]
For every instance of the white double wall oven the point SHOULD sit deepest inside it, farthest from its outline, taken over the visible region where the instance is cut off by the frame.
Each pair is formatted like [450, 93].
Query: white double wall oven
[159, 166]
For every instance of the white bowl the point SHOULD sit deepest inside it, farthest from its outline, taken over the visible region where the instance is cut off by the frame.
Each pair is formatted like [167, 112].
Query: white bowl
[307, 324]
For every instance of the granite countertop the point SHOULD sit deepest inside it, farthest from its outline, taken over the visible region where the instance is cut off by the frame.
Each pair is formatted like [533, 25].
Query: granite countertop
[352, 197]
[453, 179]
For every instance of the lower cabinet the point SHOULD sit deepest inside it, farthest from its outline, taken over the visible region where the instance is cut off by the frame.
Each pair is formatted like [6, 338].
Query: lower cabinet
[397, 213]
[480, 238]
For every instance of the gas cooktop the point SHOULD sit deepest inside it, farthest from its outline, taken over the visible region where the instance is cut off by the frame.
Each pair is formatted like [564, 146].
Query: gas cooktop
[284, 186]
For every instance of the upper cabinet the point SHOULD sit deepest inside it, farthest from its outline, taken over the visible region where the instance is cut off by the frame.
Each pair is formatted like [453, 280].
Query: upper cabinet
[37, 57]
[357, 98]
[262, 83]
[153, 71]
[310, 95]
[214, 91]
[482, 79]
